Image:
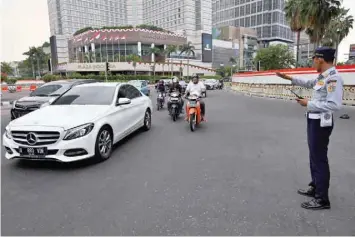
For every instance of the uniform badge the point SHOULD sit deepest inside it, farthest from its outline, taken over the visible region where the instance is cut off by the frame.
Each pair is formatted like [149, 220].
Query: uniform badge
[320, 83]
[331, 88]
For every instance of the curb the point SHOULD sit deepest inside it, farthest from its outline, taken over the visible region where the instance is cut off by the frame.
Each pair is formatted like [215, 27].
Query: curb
[279, 98]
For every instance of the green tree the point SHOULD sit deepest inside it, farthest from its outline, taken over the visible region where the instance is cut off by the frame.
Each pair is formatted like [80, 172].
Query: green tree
[134, 59]
[154, 51]
[297, 21]
[189, 50]
[274, 57]
[6, 68]
[38, 59]
[338, 29]
[318, 14]
[169, 50]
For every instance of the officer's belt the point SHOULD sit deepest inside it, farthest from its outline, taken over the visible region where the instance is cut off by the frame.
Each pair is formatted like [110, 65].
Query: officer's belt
[313, 115]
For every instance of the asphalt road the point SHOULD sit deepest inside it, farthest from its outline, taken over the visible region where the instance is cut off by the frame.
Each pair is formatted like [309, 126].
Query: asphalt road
[7, 96]
[237, 174]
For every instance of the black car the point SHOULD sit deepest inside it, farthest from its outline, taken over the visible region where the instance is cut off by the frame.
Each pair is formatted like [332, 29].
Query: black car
[43, 95]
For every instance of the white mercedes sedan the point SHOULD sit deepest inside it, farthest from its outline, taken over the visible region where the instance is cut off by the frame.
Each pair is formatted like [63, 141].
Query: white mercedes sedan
[84, 122]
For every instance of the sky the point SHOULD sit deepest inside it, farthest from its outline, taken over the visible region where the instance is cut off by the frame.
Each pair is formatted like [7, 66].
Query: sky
[25, 23]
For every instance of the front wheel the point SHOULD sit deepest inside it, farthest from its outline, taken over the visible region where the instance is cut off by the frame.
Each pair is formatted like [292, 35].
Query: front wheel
[173, 114]
[103, 145]
[192, 122]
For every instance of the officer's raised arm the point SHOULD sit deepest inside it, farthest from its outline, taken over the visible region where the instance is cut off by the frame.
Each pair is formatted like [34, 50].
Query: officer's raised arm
[298, 81]
[333, 102]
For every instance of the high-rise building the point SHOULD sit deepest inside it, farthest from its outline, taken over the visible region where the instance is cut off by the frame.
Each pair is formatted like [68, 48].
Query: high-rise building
[189, 17]
[68, 16]
[265, 16]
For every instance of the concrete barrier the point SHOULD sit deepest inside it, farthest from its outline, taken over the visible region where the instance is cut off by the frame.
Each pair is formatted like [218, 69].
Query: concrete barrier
[267, 84]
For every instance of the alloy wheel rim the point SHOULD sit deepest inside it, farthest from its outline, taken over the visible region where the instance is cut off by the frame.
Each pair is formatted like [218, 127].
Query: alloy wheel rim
[105, 143]
[147, 119]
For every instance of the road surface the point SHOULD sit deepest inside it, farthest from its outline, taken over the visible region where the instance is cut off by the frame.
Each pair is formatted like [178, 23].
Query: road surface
[235, 175]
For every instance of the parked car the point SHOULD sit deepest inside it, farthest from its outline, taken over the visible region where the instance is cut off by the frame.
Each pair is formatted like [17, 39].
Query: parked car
[211, 84]
[43, 95]
[141, 85]
[84, 122]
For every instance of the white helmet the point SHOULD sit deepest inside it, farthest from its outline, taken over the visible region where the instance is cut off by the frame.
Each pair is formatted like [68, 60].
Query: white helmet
[174, 80]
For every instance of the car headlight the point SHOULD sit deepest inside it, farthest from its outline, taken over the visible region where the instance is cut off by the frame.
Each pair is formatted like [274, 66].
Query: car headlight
[79, 131]
[8, 133]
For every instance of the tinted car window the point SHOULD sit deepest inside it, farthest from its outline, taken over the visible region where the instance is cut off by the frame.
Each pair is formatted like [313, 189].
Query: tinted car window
[46, 90]
[122, 92]
[95, 95]
[132, 92]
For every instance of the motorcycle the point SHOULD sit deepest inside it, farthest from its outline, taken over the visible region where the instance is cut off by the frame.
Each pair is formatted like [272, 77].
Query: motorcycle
[193, 109]
[175, 105]
[160, 100]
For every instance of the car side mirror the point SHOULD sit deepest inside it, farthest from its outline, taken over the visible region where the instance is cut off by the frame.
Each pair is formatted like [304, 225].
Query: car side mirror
[123, 101]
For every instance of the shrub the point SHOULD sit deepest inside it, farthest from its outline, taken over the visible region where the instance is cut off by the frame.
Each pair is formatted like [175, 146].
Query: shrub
[50, 77]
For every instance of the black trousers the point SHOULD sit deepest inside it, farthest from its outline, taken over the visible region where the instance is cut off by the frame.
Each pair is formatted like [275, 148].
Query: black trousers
[318, 141]
[203, 107]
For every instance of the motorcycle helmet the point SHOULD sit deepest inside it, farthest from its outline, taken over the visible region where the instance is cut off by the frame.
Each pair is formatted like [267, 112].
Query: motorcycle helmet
[174, 80]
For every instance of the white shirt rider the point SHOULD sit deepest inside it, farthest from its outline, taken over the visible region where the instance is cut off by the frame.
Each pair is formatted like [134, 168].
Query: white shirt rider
[195, 88]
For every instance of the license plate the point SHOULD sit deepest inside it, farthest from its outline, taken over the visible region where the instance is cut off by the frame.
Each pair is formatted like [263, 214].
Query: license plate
[192, 103]
[33, 152]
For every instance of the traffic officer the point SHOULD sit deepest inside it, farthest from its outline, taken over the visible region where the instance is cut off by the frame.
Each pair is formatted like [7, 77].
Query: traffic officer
[326, 98]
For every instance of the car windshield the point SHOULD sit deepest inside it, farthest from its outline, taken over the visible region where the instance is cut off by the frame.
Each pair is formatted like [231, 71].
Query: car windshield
[210, 81]
[91, 95]
[48, 90]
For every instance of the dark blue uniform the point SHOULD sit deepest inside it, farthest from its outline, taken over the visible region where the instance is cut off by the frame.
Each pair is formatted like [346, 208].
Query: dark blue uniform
[326, 99]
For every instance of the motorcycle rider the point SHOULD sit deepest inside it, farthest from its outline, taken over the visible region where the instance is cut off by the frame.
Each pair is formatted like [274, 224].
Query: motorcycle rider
[175, 86]
[221, 81]
[196, 87]
[161, 87]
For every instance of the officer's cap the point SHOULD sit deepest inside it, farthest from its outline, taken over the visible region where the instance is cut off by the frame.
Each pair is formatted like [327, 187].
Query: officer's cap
[324, 52]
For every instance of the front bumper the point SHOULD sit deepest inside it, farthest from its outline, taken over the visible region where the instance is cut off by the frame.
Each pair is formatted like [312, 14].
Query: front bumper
[62, 150]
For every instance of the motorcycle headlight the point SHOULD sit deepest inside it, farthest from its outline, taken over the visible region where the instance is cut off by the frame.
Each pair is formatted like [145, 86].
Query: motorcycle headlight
[79, 131]
[8, 133]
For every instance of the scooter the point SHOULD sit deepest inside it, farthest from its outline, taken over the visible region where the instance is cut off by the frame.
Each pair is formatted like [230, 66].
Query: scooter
[193, 111]
[160, 100]
[175, 105]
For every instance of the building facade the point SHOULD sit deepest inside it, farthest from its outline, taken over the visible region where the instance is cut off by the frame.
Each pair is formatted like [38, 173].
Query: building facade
[191, 18]
[244, 44]
[188, 17]
[266, 17]
[68, 16]
[116, 45]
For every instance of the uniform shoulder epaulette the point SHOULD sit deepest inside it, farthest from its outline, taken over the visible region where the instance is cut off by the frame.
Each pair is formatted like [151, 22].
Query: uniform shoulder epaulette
[332, 73]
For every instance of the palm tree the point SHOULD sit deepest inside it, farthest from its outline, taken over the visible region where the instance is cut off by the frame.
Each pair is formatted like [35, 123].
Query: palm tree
[297, 21]
[318, 14]
[154, 51]
[170, 49]
[189, 50]
[338, 29]
[134, 59]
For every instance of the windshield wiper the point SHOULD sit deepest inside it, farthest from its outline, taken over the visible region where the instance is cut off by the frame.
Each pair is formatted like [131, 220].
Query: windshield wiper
[54, 95]
[40, 95]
